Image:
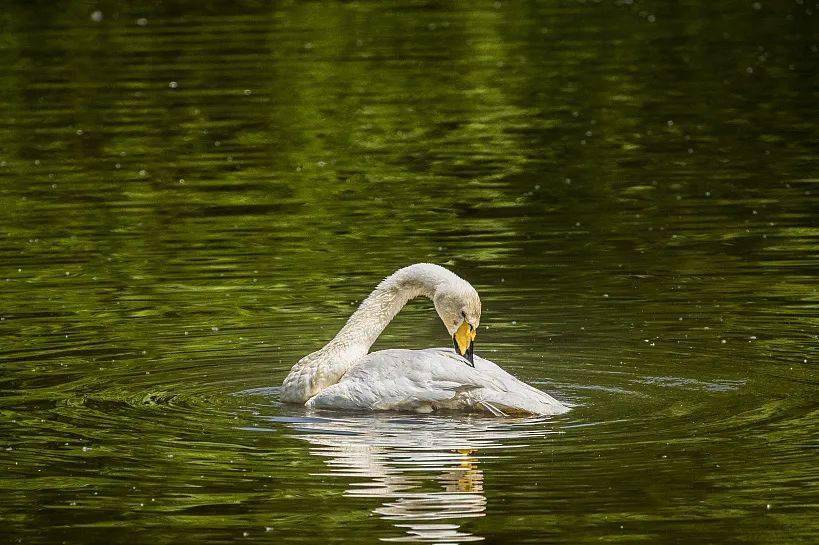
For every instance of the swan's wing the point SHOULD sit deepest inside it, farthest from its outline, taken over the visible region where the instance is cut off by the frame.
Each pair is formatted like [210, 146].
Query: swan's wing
[429, 379]
[398, 379]
[511, 395]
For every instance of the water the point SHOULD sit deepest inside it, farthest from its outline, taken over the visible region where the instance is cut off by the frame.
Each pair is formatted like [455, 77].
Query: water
[193, 200]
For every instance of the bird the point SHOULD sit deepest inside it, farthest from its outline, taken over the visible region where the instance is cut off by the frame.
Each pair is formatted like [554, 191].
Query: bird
[344, 375]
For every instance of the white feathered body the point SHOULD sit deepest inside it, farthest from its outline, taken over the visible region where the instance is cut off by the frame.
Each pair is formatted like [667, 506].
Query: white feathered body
[343, 375]
[432, 379]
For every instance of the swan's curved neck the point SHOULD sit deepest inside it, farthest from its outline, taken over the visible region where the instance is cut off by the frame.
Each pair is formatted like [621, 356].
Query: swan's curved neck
[326, 366]
[381, 306]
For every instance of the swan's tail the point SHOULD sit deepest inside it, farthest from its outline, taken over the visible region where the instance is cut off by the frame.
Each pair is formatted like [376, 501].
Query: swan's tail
[529, 400]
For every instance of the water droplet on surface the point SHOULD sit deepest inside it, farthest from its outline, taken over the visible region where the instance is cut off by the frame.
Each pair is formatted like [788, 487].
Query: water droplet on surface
[96, 16]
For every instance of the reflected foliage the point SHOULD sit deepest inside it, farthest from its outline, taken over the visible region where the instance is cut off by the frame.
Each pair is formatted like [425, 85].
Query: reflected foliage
[195, 196]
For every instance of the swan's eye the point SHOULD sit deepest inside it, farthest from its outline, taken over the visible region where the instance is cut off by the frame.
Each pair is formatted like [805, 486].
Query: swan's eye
[463, 315]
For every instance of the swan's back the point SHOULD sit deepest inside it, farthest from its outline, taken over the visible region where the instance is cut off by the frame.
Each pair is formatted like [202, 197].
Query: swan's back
[430, 379]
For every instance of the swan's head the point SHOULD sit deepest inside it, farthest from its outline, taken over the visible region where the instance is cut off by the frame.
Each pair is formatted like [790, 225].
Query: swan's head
[459, 307]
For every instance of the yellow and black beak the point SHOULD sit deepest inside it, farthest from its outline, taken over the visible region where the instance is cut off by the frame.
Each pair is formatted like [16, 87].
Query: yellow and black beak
[464, 340]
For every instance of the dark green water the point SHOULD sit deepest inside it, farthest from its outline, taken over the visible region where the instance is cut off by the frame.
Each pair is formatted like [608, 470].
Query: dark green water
[193, 197]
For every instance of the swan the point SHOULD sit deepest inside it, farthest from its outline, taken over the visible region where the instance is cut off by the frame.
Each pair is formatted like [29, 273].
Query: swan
[343, 375]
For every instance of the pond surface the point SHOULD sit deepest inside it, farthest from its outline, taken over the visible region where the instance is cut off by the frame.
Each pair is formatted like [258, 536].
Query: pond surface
[192, 199]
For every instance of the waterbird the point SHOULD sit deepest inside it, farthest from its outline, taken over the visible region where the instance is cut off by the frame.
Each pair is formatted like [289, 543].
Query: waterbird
[344, 375]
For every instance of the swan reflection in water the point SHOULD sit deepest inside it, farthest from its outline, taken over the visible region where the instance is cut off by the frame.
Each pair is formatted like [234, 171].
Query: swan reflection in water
[426, 469]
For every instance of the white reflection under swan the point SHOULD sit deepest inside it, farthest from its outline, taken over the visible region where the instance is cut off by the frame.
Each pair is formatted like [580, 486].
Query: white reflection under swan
[425, 469]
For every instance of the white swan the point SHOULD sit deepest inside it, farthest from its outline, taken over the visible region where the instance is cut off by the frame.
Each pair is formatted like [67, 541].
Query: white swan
[342, 375]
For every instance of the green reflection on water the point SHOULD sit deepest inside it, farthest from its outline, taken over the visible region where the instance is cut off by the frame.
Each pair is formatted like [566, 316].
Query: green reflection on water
[194, 198]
